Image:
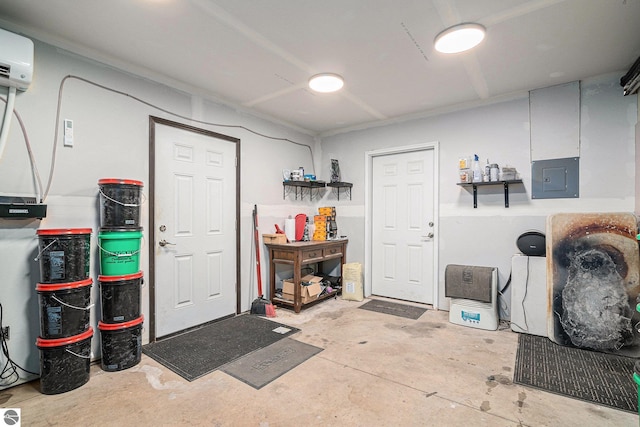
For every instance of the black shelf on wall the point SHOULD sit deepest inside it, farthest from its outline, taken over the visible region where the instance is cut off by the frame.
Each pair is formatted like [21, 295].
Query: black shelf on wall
[302, 187]
[475, 186]
[337, 186]
[313, 188]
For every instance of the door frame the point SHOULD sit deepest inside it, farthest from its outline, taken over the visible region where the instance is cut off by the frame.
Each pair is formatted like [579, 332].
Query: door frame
[153, 121]
[368, 206]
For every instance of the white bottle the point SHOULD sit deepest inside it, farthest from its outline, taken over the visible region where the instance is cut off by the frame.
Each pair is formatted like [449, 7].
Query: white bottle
[494, 172]
[477, 172]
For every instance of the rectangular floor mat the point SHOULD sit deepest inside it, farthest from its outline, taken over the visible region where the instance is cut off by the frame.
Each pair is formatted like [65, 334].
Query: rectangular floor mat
[203, 350]
[265, 365]
[388, 307]
[600, 378]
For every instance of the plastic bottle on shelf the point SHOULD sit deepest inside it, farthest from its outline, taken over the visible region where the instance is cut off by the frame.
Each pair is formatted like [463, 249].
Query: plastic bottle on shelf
[495, 172]
[477, 173]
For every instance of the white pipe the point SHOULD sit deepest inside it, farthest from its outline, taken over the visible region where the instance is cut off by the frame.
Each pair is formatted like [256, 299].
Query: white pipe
[6, 122]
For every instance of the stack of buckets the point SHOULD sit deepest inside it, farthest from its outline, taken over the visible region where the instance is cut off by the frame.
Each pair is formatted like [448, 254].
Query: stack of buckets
[120, 277]
[64, 294]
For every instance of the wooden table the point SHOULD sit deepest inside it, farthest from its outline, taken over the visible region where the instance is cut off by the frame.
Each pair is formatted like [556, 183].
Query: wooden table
[298, 254]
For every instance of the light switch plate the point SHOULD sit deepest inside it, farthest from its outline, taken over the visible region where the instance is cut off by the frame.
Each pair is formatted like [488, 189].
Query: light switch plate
[555, 178]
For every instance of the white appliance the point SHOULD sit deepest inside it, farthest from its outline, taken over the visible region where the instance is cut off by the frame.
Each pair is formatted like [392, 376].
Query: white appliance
[529, 294]
[477, 314]
[16, 60]
[16, 71]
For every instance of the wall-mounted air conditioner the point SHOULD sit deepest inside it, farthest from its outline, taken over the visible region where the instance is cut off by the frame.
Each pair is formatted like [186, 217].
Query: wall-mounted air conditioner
[16, 60]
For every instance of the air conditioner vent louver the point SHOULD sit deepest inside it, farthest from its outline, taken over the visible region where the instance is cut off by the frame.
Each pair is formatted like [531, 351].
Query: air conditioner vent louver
[5, 70]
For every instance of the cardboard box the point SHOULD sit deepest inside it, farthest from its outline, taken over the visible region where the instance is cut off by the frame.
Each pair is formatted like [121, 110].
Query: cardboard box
[329, 211]
[319, 236]
[308, 293]
[274, 238]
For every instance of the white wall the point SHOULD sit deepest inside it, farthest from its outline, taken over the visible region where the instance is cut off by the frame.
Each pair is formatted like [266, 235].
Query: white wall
[487, 235]
[112, 140]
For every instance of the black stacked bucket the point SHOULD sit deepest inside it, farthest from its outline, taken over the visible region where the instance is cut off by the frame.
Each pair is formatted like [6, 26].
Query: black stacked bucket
[64, 295]
[120, 279]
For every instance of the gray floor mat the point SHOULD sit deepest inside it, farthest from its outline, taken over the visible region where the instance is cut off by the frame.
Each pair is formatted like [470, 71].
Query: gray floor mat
[393, 308]
[201, 351]
[265, 365]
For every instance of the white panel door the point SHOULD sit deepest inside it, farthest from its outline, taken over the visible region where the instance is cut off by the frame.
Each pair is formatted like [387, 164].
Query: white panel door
[403, 226]
[195, 236]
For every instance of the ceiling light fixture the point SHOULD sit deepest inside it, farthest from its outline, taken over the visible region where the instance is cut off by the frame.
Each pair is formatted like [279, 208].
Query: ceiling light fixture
[326, 82]
[459, 38]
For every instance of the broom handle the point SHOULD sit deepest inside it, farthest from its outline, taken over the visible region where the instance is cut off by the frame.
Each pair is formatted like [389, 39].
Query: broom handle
[257, 239]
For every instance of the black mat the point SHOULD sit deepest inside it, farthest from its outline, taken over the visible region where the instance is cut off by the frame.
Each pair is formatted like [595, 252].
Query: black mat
[265, 365]
[600, 378]
[201, 351]
[387, 307]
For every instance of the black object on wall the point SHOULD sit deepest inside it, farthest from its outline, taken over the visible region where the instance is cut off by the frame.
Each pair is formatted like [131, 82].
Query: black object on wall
[532, 243]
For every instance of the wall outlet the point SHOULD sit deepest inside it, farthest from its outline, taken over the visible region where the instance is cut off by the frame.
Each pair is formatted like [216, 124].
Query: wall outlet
[5, 333]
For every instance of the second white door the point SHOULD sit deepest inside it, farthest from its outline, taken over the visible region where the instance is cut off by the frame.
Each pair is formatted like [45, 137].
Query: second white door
[403, 226]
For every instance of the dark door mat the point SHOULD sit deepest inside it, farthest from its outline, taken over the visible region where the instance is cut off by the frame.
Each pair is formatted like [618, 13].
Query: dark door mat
[600, 378]
[387, 307]
[265, 365]
[203, 350]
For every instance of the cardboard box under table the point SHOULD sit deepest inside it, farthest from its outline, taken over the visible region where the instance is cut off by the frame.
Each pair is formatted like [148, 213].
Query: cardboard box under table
[310, 288]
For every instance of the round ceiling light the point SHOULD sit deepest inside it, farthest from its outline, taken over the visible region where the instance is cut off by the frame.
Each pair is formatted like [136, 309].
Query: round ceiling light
[326, 82]
[459, 38]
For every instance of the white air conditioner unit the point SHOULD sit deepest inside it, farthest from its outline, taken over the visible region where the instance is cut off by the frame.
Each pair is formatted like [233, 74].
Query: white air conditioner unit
[16, 60]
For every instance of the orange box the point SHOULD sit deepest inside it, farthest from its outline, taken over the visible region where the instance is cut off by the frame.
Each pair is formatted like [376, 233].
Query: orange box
[329, 211]
[320, 236]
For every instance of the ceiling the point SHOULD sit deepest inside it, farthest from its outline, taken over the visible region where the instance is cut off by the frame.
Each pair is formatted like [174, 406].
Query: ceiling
[257, 55]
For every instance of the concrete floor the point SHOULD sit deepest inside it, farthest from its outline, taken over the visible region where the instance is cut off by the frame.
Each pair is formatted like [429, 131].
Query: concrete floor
[375, 370]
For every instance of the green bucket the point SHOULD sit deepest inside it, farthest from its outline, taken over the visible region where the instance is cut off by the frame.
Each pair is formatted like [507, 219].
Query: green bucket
[119, 251]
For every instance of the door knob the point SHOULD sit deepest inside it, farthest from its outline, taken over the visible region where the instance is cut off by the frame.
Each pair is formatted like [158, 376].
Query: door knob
[428, 236]
[164, 243]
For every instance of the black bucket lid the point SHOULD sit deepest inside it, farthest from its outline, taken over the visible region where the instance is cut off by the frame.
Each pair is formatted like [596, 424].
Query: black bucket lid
[60, 231]
[59, 342]
[120, 278]
[119, 229]
[50, 287]
[119, 326]
[107, 181]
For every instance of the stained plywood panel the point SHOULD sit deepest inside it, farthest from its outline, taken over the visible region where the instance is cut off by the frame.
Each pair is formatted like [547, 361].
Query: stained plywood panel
[593, 281]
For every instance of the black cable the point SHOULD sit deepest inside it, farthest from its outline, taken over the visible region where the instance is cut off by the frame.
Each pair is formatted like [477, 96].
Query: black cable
[526, 290]
[10, 368]
[119, 92]
[504, 306]
[524, 311]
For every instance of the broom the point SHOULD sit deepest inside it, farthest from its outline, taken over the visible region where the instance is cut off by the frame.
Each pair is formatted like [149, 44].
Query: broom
[260, 305]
